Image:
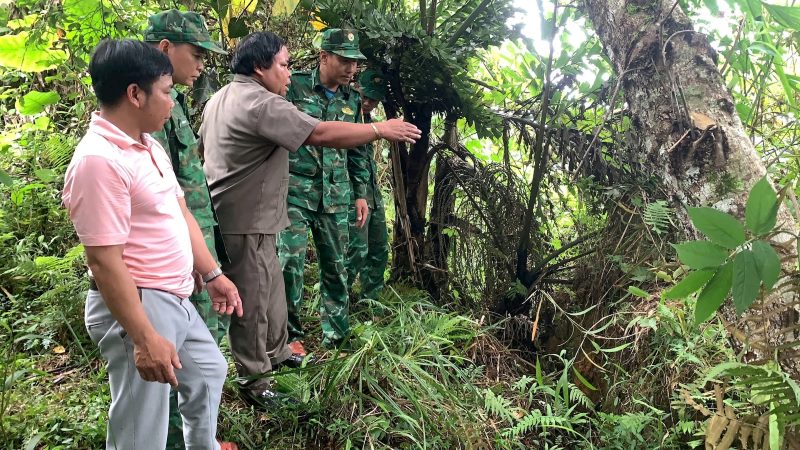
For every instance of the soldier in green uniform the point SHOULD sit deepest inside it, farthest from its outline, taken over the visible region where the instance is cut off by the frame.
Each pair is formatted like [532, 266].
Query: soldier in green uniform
[183, 36]
[322, 182]
[368, 251]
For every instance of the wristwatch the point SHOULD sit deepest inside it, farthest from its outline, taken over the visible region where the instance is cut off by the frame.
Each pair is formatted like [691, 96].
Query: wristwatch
[211, 275]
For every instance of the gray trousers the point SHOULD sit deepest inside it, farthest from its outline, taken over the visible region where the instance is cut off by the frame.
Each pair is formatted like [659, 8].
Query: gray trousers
[138, 415]
[258, 338]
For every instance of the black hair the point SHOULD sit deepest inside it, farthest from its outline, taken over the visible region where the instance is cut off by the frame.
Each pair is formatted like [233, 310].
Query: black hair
[116, 64]
[256, 51]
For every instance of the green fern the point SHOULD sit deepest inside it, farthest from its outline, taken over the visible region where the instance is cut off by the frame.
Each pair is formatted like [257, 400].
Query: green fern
[498, 406]
[768, 386]
[577, 396]
[536, 419]
[658, 216]
[57, 150]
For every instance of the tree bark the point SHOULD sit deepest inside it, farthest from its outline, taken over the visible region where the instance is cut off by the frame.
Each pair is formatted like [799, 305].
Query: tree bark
[413, 166]
[693, 139]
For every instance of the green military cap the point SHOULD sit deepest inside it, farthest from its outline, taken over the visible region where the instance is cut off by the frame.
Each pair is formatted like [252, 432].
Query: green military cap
[343, 42]
[180, 26]
[373, 84]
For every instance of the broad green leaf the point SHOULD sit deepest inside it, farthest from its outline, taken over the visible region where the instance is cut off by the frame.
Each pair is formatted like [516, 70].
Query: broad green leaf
[19, 51]
[764, 47]
[768, 263]
[237, 28]
[722, 228]
[745, 280]
[46, 175]
[761, 211]
[23, 22]
[284, 7]
[239, 7]
[5, 178]
[715, 292]
[751, 7]
[701, 254]
[34, 102]
[788, 16]
[690, 283]
[638, 292]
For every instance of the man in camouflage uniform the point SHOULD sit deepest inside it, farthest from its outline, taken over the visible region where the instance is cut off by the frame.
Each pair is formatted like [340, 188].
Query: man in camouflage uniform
[320, 189]
[183, 36]
[368, 252]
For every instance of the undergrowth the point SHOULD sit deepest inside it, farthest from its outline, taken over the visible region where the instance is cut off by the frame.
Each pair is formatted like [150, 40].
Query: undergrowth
[419, 375]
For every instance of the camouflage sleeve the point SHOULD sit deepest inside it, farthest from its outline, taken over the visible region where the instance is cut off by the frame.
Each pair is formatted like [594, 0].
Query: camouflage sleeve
[358, 165]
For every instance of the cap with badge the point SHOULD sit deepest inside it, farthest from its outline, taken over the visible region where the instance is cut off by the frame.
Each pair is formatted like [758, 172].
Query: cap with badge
[373, 84]
[180, 26]
[343, 42]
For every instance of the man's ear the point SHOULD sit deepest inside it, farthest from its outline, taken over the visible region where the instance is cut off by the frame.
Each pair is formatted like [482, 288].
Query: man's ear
[135, 95]
[164, 45]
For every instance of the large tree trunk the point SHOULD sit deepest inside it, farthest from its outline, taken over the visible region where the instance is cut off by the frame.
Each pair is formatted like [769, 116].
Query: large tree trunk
[693, 138]
[411, 168]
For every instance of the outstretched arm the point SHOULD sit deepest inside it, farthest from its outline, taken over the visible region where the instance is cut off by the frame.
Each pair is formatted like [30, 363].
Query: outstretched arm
[349, 135]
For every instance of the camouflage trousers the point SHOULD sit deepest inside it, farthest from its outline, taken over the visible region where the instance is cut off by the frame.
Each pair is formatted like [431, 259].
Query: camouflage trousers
[217, 325]
[368, 253]
[330, 233]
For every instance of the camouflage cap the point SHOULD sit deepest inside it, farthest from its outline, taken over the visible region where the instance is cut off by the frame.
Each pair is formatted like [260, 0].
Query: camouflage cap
[341, 42]
[373, 84]
[180, 26]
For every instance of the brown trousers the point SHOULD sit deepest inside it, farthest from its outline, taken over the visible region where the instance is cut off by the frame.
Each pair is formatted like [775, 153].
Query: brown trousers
[258, 338]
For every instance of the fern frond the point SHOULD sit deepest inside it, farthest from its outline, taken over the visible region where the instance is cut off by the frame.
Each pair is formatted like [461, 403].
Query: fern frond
[577, 396]
[658, 216]
[768, 386]
[498, 406]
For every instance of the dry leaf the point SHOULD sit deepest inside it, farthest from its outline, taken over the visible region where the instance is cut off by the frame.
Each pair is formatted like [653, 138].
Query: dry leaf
[702, 121]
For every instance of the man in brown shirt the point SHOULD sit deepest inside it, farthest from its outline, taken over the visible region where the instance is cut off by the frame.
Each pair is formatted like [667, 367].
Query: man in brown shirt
[247, 131]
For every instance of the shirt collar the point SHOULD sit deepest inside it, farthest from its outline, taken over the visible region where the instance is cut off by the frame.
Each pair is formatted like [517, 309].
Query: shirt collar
[317, 86]
[239, 78]
[113, 134]
[177, 96]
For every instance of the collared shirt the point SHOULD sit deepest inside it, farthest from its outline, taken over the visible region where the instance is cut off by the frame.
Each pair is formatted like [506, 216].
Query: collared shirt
[246, 134]
[178, 139]
[320, 177]
[119, 191]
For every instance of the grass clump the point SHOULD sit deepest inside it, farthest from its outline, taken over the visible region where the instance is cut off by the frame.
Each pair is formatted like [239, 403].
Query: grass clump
[406, 383]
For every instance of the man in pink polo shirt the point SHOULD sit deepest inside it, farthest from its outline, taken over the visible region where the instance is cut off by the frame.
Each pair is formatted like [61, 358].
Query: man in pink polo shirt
[142, 246]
